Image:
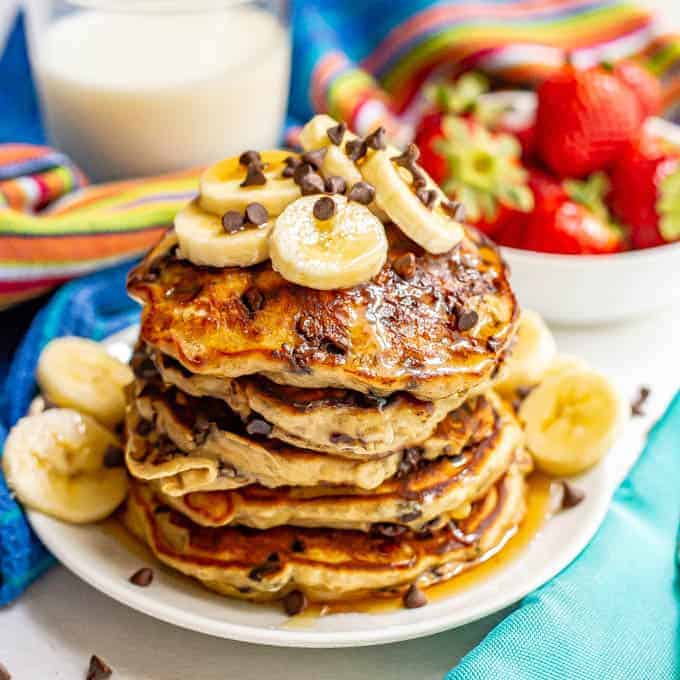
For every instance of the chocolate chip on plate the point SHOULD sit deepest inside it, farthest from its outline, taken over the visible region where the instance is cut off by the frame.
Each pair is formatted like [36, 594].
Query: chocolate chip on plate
[4, 673]
[405, 265]
[467, 320]
[113, 457]
[336, 133]
[414, 597]
[142, 577]
[259, 427]
[571, 496]
[98, 669]
[336, 184]
[232, 221]
[249, 158]
[376, 140]
[312, 183]
[315, 157]
[355, 149]
[254, 176]
[295, 602]
[324, 208]
[256, 214]
[637, 407]
[362, 192]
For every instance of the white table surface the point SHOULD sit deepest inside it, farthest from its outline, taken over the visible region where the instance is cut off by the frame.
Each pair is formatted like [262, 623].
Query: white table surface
[50, 633]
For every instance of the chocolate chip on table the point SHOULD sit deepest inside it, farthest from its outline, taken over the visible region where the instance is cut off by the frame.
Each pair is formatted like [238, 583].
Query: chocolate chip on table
[113, 457]
[467, 320]
[142, 577]
[253, 299]
[455, 210]
[336, 184]
[250, 158]
[4, 673]
[376, 140]
[336, 133]
[254, 176]
[571, 496]
[414, 597]
[256, 214]
[355, 149]
[312, 183]
[637, 407]
[315, 157]
[98, 669]
[324, 208]
[232, 221]
[295, 602]
[427, 197]
[362, 192]
[405, 265]
[292, 162]
[259, 427]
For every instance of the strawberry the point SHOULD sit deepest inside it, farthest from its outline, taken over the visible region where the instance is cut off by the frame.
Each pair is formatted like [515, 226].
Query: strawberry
[644, 84]
[645, 192]
[584, 120]
[477, 167]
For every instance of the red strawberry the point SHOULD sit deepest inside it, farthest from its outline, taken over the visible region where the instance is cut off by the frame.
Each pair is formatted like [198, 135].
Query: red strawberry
[477, 167]
[585, 118]
[643, 83]
[645, 193]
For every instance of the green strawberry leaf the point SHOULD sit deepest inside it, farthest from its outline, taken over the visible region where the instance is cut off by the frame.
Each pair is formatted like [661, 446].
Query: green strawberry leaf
[668, 206]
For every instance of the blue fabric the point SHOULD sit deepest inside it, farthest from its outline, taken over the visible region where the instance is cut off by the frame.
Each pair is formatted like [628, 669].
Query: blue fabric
[613, 613]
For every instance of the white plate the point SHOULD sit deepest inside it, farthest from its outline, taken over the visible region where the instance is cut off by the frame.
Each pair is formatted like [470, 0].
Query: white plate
[98, 558]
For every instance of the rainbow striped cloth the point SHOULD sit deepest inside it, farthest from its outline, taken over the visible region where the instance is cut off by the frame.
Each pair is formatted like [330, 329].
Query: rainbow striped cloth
[362, 61]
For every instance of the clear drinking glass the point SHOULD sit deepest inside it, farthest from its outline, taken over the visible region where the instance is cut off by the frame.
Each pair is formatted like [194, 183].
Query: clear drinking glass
[138, 87]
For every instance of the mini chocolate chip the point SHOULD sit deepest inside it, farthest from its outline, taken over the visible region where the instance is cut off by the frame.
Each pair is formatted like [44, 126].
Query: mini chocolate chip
[295, 602]
[292, 162]
[142, 577]
[336, 185]
[258, 573]
[387, 529]
[98, 669]
[405, 265]
[256, 214]
[324, 208]
[113, 457]
[362, 192]
[355, 149]
[414, 597]
[301, 170]
[411, 516]
[523, 392]
[254, 176]
[408, 158]
[315, 158]
[144, 428]
[338, 346]
[253, 299]
[419, 181]
[467, 320]
[4, 673]
[571, 496]
[312, 183]
[273, 557]
[297, 546]
[427, 197]
[162, 510]
[637, 407]
[250, 158]
[455, 210]
[259, 427]
[376, 140]
[341, 438]
[232, 221]
[336, 133]
[493, 344]
[244, 589]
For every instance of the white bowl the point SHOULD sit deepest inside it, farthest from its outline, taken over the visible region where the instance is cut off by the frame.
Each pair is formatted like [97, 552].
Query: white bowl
[591, 289]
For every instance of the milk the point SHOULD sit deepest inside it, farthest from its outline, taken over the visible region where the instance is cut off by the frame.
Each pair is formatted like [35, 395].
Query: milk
[136, 94]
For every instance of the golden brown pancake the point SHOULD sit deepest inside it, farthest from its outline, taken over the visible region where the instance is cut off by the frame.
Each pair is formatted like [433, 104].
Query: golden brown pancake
[438, 334]
[325, 564]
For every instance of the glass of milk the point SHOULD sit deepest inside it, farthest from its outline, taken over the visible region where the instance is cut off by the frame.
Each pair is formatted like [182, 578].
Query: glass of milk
[138, 87]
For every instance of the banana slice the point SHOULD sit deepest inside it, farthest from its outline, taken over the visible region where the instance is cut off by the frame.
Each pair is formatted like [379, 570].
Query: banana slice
[79, 373]
[343, 251]
[432, 228]
[532, 354]
[571, 420]
[54, 462]
[221, 190]
[203, 240]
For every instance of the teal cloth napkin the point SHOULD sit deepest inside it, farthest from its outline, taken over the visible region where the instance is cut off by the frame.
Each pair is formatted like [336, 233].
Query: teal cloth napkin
[613, 613]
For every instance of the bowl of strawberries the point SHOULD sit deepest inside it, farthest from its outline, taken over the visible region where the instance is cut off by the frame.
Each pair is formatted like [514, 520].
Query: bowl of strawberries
[579, 182]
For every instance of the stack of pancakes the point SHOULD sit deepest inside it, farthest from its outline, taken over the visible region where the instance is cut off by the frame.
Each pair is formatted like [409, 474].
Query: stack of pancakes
[334, 444]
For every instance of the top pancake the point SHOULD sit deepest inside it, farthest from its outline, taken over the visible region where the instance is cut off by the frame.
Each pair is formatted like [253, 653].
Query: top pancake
[386, 335]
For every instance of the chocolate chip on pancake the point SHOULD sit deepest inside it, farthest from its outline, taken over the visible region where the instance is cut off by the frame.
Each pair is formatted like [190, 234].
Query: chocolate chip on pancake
[295, 602]
[336, 133]
[388, 529]
[467, 320]
[144, 428]
[414, 597]
[142, 577]
[259, 427]
[253, 299]
[324, 208]
[405, 265]
[264, 570]
[98, 669]
[297, 546]
[113, 457]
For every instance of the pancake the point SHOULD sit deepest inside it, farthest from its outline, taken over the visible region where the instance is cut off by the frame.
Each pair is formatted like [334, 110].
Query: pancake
[193, 444]
[332, 420]
[325, 564]
[438, 334]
